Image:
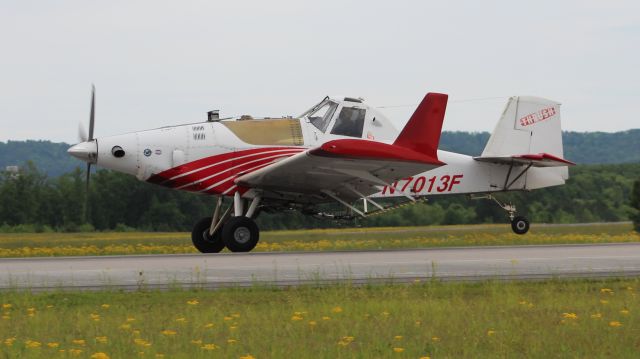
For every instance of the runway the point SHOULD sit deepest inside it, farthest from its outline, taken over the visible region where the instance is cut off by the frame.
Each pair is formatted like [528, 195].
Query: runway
[284, 269]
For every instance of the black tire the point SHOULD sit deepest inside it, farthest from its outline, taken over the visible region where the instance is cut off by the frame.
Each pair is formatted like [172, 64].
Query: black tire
[203, 241]
[240, 234]
[520, 225]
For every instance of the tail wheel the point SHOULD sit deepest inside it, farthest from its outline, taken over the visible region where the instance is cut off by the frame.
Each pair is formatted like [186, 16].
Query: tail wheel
[204, 242]
[240, 234]
[520, 225]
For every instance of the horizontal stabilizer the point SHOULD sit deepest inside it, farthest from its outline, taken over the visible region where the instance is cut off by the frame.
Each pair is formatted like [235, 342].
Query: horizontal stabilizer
[535, 160]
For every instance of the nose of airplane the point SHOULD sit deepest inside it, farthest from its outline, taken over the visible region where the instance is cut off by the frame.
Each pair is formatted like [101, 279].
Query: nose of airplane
[85, 151]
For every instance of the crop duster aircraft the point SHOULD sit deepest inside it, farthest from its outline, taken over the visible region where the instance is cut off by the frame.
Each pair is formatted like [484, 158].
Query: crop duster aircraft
[341, 150]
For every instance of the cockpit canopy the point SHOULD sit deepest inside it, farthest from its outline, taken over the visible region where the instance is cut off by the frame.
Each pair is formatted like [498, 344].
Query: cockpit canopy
[348, 122]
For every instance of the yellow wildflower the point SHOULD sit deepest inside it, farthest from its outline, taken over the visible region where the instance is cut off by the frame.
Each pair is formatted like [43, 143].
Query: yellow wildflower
[53, 345]
[606, 290]
[435, 339]
[101, 339]
[624, 312]
[296, 318]
[9, 341]
[99, 355]
[248, 356]
[193, 302]
[490, 332]
[344, 341]
[75, 351]
[425, 357]
[231, 341]
[7, 306]
[209, 347]
[32, 344]
[326, 318]
[196, 341]
[336, 310]
[596, 315]
[78, 342]
[208, 325]
[142, 342]
[615, 323]
[131, 319]
[168, 332]
[312, 323]
[570, 315]
[181, 320]
[398, 337]
[228, 318]
[236, 315]
[105, 306]
[95, 317]
[398, 350]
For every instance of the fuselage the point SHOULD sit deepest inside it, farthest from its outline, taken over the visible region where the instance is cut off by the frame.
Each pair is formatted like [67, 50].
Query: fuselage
[207, 157]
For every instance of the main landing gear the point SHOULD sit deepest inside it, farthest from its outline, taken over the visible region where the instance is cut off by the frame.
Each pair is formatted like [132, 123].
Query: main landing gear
[239, 233]
[519, 224]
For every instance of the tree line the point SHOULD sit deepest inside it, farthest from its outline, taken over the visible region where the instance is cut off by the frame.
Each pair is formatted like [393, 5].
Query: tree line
[31, 201]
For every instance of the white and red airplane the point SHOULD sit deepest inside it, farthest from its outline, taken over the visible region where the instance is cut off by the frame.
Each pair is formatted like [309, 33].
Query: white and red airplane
[340, 150]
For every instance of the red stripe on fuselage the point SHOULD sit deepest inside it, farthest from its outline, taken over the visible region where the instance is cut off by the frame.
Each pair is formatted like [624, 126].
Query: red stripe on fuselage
[172, 177]
[211, 170]
[203, 181]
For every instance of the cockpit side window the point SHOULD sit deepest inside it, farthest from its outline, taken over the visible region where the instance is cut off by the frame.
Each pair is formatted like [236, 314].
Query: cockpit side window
[322, 116]
[350, 122]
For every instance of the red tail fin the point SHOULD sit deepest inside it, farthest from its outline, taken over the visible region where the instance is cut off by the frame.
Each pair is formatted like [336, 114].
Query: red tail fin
[422, 132]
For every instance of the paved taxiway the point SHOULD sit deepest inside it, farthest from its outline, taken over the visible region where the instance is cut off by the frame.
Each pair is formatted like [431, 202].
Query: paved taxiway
[216, 270]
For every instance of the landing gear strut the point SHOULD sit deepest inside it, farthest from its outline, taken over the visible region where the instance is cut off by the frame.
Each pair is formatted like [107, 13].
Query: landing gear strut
[239, 233]
[519, 224]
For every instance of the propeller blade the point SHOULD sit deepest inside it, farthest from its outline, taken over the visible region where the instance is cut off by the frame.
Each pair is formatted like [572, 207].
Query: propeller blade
[92, 116]
[82, 133]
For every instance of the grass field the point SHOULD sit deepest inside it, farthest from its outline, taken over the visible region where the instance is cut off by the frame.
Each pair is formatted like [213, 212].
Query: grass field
[106, 243]
[423, 319]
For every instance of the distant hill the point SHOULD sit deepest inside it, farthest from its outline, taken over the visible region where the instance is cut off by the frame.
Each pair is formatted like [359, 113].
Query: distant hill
[580, 147]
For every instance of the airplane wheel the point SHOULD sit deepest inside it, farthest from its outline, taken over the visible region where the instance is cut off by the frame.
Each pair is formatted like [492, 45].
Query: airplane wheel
[203, 241]
[240, 234]
[520, 225]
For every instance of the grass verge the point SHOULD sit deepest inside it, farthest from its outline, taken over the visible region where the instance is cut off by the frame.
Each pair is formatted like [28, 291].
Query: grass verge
[432, 319]
[110, 243]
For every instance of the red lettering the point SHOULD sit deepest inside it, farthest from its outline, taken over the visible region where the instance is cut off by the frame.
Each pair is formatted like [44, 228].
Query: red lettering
[407, 184]
[432, 180]
[455, 180]
[418, 185]
[444, 183]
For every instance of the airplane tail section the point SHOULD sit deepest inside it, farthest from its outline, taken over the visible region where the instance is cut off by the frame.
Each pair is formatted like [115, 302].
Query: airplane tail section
[422, 132]
[529, 125]
[529, 133]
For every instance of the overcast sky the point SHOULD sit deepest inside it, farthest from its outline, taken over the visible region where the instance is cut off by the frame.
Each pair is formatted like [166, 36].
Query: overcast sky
[158, 63]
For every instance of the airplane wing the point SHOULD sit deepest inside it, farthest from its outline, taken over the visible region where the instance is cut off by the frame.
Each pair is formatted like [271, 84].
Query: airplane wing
[353, 168]
[535, 160]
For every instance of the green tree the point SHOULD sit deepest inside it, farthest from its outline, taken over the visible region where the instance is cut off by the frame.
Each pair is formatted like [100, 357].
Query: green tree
[635, 205]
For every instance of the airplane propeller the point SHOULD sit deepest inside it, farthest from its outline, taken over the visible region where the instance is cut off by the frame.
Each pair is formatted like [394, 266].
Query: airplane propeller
[83, 137]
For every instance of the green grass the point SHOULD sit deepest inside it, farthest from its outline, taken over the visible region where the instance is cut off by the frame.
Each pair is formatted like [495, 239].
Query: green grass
[101, 243]
[472, 320]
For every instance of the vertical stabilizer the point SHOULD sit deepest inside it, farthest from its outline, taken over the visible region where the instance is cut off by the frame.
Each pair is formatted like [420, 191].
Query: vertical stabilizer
[529, 125]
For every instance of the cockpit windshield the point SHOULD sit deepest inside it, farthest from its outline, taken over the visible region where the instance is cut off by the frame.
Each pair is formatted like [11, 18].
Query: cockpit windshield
[323, 114]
